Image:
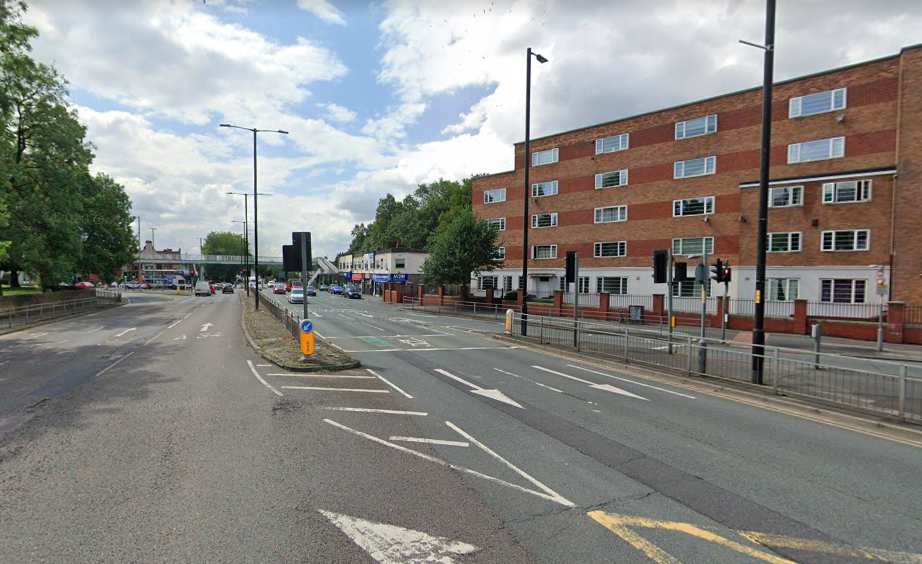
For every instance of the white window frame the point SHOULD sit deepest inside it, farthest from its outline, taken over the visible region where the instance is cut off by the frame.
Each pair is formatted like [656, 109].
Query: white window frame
[861, 188]
[502, 253]
[686, 289]
[621, 249]
[622, 285]
[494, 196]
[791, 236]
[853, 292]
[547, 188]
[678, 168]
[788, 288]
[498, 222]
[537, 157]
[614, 143]
[677, 244]
[507, 283]
[621, 213]
[838, 100]
[552, 220]
[493, 286]
[601, 178]
[708, 125]
[534, 249]
[678, 206]
[400, 263]
[795, 196]
[834, 149]
[856, 240]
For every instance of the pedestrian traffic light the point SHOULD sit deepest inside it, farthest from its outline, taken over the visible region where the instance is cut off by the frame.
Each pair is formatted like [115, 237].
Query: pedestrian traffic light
[571, 267]
[727, 273]
[717, 271]
[660, 260]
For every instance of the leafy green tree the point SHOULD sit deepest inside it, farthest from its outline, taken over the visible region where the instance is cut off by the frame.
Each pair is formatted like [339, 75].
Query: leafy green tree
[225, 243]
[108, 240]
[463, 247]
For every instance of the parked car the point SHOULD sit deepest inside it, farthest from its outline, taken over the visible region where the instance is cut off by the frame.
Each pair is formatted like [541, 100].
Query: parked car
[351, 292]
[336, 289]
[144, 286]
[324, 287]
[202, 289]
[310, 291]
[227, 289]
[113, 285]
[280, 289]
[84, 285]
[133, 285]
[296, 296]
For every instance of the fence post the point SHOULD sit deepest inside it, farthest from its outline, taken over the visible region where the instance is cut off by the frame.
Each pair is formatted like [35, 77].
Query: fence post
[777, 370]
[475, 309]
[688, 359]
[703, 357]
[541, 329]
[902, 393]
[625, 343]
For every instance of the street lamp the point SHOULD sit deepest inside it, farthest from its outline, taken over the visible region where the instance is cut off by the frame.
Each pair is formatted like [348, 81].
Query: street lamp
[152, 229]
[255, 232]
[527, 192]
[246, 253]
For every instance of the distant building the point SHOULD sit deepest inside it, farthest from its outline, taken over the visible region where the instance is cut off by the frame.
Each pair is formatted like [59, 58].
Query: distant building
[399, 265]
[156, 266]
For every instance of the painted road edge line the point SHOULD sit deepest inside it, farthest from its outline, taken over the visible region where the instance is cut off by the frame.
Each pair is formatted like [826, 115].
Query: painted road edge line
[321, 389]
[106, 369]
[260, 378]
[632, 382]
[337, 376]
[528, 380]
[370, 410]
[386, 381]
[430, 441]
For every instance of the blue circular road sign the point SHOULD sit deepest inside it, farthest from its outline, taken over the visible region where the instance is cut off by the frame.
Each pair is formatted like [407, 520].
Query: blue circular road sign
[307, 326]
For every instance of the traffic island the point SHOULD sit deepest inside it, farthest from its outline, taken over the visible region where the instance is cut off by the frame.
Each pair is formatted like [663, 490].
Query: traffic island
[273, 342]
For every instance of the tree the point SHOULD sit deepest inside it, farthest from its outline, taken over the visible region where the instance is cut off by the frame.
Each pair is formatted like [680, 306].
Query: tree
[461, 248]
[108, 241]
[224, 243]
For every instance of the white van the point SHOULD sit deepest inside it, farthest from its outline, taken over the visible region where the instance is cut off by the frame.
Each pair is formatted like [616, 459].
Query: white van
[202, 289]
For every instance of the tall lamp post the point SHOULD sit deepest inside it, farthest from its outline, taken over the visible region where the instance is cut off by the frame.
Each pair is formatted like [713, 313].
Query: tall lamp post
[526, 193]
[152, 229]
[246, 254]
[255, 208]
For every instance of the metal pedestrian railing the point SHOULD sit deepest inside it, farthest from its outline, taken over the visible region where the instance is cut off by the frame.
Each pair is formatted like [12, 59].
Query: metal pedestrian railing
[893, 390]
[290, 320]
[37, 313]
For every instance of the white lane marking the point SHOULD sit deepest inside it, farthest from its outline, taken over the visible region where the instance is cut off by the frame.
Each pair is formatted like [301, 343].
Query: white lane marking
[263, 365]
[389, 383]
[175, 324]
[529, 380]
[633, 382]
[154, 338]
[430, 441]
[37, 335]
[606, 387]
[378, 336]
[4, 362]
[364, 315]
[420, 315]
[106, 369]
[374, 327]
[317, 315]
[390, 544]
[434, 349]
[404, 449]
[493, 394]
[205, 327]
[347, 377]
[346, 316]
[127, 331]
[180, 338]
[511, 466]
[319, 335]
[368, 410]
[188, 314]
[321, 389]
[95, 330]
[337, 346]
[260, 378]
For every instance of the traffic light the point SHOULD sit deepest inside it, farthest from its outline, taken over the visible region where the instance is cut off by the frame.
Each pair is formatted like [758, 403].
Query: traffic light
[717, 271]
[660, 260]
[680, 271]
[727, 273]
[571, 267]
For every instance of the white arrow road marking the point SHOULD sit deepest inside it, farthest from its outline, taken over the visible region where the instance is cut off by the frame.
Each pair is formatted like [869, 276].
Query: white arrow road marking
[183, 338]
[493, 394]
[555, 497]
[632, 382]
[205, 327]
[390, 544]
[606, 387]
[527, 380]
[431, 441]
[127, 331]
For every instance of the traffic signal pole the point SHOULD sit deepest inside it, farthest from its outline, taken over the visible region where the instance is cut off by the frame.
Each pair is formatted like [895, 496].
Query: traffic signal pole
[669, 282]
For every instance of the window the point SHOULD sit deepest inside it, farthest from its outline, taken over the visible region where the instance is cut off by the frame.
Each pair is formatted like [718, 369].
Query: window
[539, 158]
[582, 284]
[783, 289]
[818, 150]
[544, 252]
[842, 291]
[487, 282]
[786, 197]
[611, 214]
[692, 246]
[850, 240]
[493, 196]
[544, 220]
[693, 206]
[521, 283]
[400, 263]
[507, 283]
[611, 179]
[500, 253]
[784, 242]
[686, 289]
[696, 127]
[610, 249]
[544, 189]
[817, 103]
[611, 144]
[611, 285]
[845, 192]
[694, 167]
[498, 223]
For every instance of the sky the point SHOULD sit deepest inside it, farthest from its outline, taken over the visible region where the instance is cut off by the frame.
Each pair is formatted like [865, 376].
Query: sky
[379, 97]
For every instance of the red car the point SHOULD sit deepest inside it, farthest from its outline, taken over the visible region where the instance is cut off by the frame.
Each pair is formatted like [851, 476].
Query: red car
[280, 289]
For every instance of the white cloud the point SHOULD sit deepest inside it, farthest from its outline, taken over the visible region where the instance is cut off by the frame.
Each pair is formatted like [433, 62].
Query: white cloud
[337, 113]
[323, 10]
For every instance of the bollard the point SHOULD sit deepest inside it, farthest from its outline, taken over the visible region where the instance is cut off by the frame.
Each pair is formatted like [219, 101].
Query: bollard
[702, 357]
[510, 316]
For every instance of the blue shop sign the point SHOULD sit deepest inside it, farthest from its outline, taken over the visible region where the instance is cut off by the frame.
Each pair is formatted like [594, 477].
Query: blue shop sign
[399, 278]
[381, 277]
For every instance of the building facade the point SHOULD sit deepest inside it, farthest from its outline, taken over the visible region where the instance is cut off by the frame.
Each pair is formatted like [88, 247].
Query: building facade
[845, 192]
[399, 265]
[157, 268]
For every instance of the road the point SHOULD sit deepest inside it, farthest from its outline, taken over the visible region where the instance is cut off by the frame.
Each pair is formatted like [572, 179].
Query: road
[165, 439]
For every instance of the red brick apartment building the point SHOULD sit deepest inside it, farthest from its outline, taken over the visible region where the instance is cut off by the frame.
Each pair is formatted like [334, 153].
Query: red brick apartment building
[846, 191]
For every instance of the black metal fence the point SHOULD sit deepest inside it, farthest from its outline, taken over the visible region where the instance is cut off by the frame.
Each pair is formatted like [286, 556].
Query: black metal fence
[290, 320]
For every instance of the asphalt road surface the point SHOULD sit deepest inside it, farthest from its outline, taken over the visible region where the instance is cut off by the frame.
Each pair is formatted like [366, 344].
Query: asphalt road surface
[152, 433]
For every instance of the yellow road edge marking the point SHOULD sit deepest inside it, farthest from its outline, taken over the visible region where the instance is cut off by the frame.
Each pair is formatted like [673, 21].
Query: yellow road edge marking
[874, 555]
[652, 551]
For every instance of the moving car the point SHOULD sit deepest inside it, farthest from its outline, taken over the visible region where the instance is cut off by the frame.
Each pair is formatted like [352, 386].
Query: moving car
[324, 287]
[336, 289]
[310, 291]
[227, 289]
[292, 284]
[133, 285]
[280, 289]
[296, 296]
[351, 292]
[270, 284]
[84, 285]
[202, 289]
